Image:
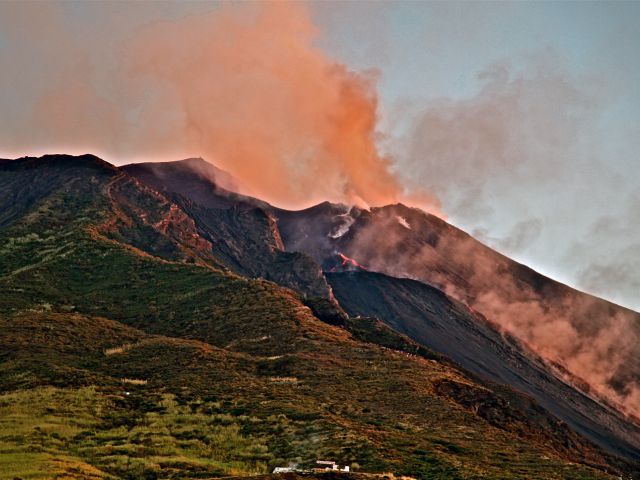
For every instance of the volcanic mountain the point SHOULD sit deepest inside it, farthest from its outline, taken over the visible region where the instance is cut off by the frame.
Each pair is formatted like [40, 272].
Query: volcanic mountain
[413, 258]
[159, 325]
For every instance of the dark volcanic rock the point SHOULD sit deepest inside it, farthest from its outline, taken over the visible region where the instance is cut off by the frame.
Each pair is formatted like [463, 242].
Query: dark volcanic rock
[26, 181]
[193, 178]
[444, 325]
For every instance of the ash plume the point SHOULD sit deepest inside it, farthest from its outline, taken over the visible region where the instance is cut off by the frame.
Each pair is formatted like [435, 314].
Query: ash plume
[242, 86]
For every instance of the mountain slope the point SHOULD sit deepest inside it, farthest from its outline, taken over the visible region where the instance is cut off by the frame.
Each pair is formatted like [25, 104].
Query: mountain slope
[444, 325]
[242, 230]
[192, 178]
[128, 351]
[594, 341]
[570, 329]
[407, 242]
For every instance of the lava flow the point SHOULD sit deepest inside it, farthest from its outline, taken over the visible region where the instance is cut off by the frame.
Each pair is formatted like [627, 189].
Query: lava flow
[347, 263]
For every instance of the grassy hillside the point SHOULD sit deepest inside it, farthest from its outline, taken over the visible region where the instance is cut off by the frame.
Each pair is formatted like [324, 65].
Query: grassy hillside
[194, 410]
[127, 352]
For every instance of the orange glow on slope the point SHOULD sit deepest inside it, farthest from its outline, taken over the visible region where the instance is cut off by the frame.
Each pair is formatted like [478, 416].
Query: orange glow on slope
[347, 262]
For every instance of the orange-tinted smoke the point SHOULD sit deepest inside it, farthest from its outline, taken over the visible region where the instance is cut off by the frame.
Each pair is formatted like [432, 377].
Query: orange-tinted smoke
[248, 91]
[242, 86]
[593, 341]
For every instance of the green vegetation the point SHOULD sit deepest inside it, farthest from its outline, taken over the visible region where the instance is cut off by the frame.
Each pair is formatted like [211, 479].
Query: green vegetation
[128, 436]
[201, 410]
[127, 353]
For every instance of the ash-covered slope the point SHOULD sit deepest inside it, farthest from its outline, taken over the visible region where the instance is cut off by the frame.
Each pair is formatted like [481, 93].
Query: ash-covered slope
[193, 178]
[594, 339]
[405, 242]
[433, 319]
[137, 356]
[569, 328]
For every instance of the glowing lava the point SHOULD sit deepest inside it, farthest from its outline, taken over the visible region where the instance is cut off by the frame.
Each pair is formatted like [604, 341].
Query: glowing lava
[347, 263]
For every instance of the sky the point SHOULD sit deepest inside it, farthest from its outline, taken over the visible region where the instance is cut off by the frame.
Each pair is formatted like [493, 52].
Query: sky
[517, 121]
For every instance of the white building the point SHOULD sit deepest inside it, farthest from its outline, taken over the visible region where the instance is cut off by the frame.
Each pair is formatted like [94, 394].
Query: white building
[283, 470]
[331, 465]
[293, 467]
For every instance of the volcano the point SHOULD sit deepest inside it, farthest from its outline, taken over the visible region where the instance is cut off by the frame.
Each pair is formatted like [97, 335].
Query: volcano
[159, 323]
[414, 254]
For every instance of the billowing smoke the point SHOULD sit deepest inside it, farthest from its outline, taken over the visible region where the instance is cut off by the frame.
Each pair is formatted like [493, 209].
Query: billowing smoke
[612, 271]
[593, 342]
[525, 164]
[242, 86]
[523, 131]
